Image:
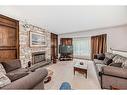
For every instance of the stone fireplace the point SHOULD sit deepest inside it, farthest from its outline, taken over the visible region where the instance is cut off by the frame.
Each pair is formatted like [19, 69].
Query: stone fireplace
[27, 53]
[38, 57]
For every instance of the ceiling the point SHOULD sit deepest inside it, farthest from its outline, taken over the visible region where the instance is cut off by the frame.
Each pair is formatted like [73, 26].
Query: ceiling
[66, 19]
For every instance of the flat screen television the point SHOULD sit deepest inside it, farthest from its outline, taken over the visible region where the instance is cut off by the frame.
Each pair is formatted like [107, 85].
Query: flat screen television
[64, 49]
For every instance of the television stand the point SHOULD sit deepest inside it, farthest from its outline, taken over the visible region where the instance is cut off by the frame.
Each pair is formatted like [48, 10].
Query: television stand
[66, 57]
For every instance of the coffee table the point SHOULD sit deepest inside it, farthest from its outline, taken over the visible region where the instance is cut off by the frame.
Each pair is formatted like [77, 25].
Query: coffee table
[80, 68]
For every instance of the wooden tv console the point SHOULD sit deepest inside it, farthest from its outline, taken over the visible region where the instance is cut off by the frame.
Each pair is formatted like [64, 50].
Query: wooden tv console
[66, 57]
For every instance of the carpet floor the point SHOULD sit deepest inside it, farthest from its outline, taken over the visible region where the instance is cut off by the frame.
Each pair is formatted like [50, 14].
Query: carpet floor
[63, 72]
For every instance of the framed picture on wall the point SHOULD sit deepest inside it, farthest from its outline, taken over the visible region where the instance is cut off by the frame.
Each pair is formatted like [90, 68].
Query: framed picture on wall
[37, 39]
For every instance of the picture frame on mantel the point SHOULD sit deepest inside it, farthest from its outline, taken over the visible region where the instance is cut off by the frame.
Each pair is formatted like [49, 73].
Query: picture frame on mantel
[37, 39]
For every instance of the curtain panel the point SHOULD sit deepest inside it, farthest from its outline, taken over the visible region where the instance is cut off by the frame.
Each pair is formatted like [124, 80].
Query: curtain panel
[98, 44]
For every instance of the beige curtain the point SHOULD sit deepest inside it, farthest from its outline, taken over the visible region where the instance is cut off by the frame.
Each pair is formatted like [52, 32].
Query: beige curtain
[98, 44]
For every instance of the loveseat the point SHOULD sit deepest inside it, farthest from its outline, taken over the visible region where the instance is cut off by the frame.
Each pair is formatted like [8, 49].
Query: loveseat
[112, 70]
[20, 78]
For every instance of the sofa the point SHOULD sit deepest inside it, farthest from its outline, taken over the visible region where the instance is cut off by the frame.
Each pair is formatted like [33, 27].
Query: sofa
[111, 70]
[15, 77]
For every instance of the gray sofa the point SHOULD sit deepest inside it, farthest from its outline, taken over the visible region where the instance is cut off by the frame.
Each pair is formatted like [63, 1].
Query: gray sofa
[22, 78]
[111, 72]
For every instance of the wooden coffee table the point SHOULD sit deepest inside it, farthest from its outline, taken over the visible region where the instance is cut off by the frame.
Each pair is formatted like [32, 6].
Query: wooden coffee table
[80, 68]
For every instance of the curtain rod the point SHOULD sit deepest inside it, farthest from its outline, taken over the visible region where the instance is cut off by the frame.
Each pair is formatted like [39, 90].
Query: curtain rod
[118, 50]
[82, 37]
[88, 36]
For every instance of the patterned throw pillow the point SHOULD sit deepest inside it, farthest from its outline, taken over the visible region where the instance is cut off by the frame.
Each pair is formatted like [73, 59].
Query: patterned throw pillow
[109, 55]
[119, 59]
[2, 69]
[4, 80]
[124, 65]
[107, 61]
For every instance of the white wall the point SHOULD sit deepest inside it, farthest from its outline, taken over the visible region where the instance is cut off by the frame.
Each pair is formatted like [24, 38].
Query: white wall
[116, 36]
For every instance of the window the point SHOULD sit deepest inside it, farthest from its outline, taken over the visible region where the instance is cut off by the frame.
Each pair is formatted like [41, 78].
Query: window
[82, 47]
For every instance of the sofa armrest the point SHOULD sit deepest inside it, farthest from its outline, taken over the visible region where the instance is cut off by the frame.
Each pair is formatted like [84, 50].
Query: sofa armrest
[29, 81]
[114, 71]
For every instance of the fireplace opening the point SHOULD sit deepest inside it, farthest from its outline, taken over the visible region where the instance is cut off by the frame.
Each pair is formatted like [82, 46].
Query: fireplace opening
[38, 57]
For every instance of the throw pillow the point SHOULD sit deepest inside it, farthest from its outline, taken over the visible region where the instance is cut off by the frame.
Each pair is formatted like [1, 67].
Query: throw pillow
[100, 56]
[11, 65]
[4, 80]
[109, 55]
[116, 64]
[119, 59]
[107, 61]
[2, 70]
[124, 65]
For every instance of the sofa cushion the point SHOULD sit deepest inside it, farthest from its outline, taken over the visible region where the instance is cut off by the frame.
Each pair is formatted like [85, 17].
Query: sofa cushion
[115, 71]
[16, 75]
[96, 61]
[116, 64]
[119, 59]
[4, 80]
[109, 55]
[2, 70]
[107, 61]
[19, 70]
[11, 65]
